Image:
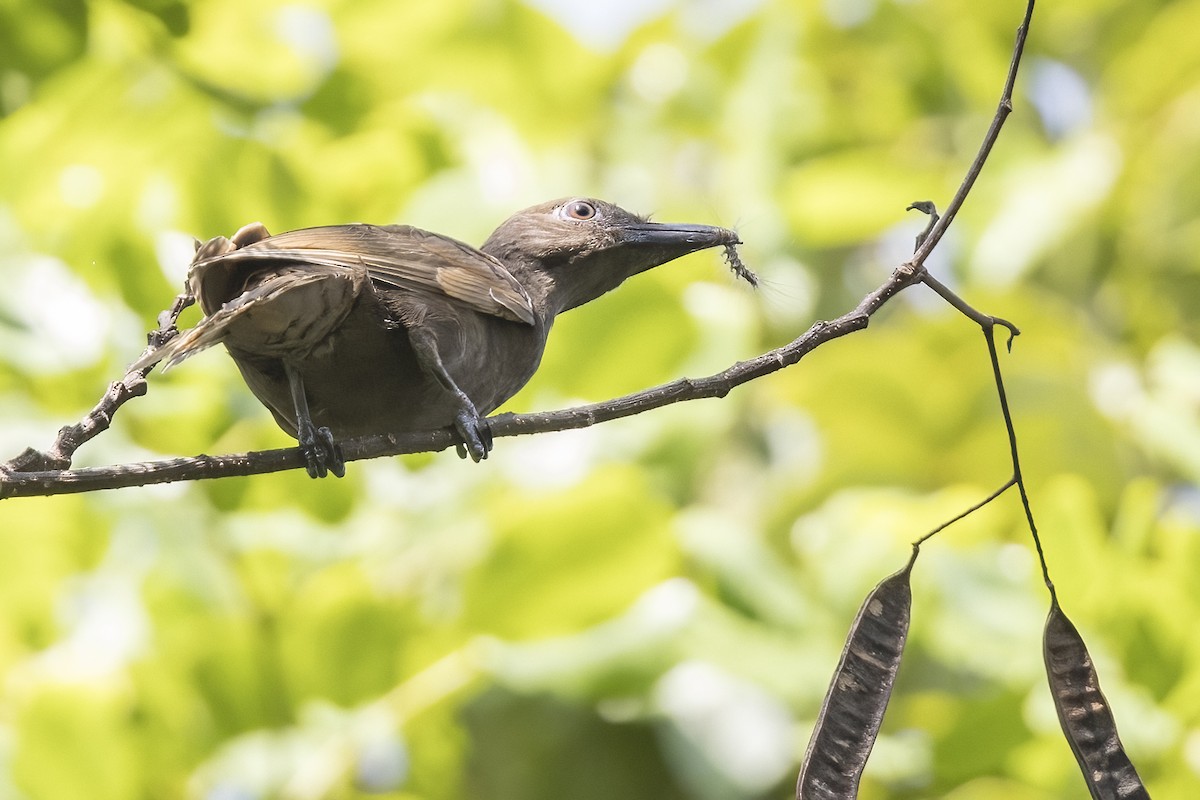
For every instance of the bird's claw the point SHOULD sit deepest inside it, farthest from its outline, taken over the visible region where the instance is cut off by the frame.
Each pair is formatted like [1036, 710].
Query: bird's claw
[475, 432]
[322, 455]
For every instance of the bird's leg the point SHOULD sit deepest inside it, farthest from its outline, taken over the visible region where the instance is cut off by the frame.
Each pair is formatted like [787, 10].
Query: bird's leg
[473, 428]
[321, 453]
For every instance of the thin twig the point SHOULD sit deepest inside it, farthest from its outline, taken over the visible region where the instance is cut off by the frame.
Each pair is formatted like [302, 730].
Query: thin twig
[932, 235]
[989, 333]
[1007, 485]
[929, 208]
[987, 323]
[944, 291]
[1002, 111]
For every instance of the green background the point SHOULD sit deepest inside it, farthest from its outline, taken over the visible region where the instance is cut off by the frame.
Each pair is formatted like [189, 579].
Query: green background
[651, 608]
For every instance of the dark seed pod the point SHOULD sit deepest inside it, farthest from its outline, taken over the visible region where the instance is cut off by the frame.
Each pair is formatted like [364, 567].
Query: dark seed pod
[859, 693]
[1084, 714]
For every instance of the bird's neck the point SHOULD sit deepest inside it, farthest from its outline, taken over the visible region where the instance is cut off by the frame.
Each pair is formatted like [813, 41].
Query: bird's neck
[536, 280]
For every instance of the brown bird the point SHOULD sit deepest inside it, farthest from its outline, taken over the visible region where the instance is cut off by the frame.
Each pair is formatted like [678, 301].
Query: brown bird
[349, 330]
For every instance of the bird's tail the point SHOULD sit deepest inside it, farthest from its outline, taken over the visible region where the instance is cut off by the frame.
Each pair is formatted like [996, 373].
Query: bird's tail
[205, 334]
[209, 331]
[260, 298]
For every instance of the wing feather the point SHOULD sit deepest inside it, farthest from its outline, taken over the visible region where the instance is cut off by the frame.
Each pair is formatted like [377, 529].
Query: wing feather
[405, 258]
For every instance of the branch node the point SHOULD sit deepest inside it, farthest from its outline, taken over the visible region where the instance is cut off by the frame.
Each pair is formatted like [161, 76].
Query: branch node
[925, 207]
[31, 460]
[1013, 331]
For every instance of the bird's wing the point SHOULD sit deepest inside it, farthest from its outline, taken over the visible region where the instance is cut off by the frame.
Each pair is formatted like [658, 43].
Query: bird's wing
[406, 258]
[271, 333]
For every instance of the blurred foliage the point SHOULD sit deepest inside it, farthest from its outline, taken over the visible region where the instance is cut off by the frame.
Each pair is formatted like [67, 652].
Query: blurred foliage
[651, 608]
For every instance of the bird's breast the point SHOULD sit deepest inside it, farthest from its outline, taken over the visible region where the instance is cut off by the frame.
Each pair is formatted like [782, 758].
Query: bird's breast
[491, 359]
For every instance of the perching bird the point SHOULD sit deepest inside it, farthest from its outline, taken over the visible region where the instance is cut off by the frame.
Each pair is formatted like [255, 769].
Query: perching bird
[349, 330]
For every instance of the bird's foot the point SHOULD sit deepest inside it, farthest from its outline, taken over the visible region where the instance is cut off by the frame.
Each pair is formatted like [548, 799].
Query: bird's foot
[475, 432]
[322, 454]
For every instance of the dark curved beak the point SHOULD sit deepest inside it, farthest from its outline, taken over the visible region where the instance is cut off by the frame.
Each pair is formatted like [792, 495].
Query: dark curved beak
[629, 247]
[677, 235]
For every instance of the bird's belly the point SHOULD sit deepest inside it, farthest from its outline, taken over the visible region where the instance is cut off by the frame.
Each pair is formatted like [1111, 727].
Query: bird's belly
[365, 378]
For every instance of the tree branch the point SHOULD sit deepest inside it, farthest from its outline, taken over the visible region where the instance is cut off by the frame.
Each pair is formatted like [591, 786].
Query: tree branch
[15, 483]
[71, 437]
[35, 473]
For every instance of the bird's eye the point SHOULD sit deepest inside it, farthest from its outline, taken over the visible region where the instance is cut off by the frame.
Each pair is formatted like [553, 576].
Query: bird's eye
[580, 209]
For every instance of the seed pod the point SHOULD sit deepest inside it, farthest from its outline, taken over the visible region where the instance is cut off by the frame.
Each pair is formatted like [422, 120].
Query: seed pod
[1084, 714]
[859, 693]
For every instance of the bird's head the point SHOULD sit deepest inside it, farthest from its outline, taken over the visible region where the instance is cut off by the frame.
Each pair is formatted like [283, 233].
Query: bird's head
[580, 248]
